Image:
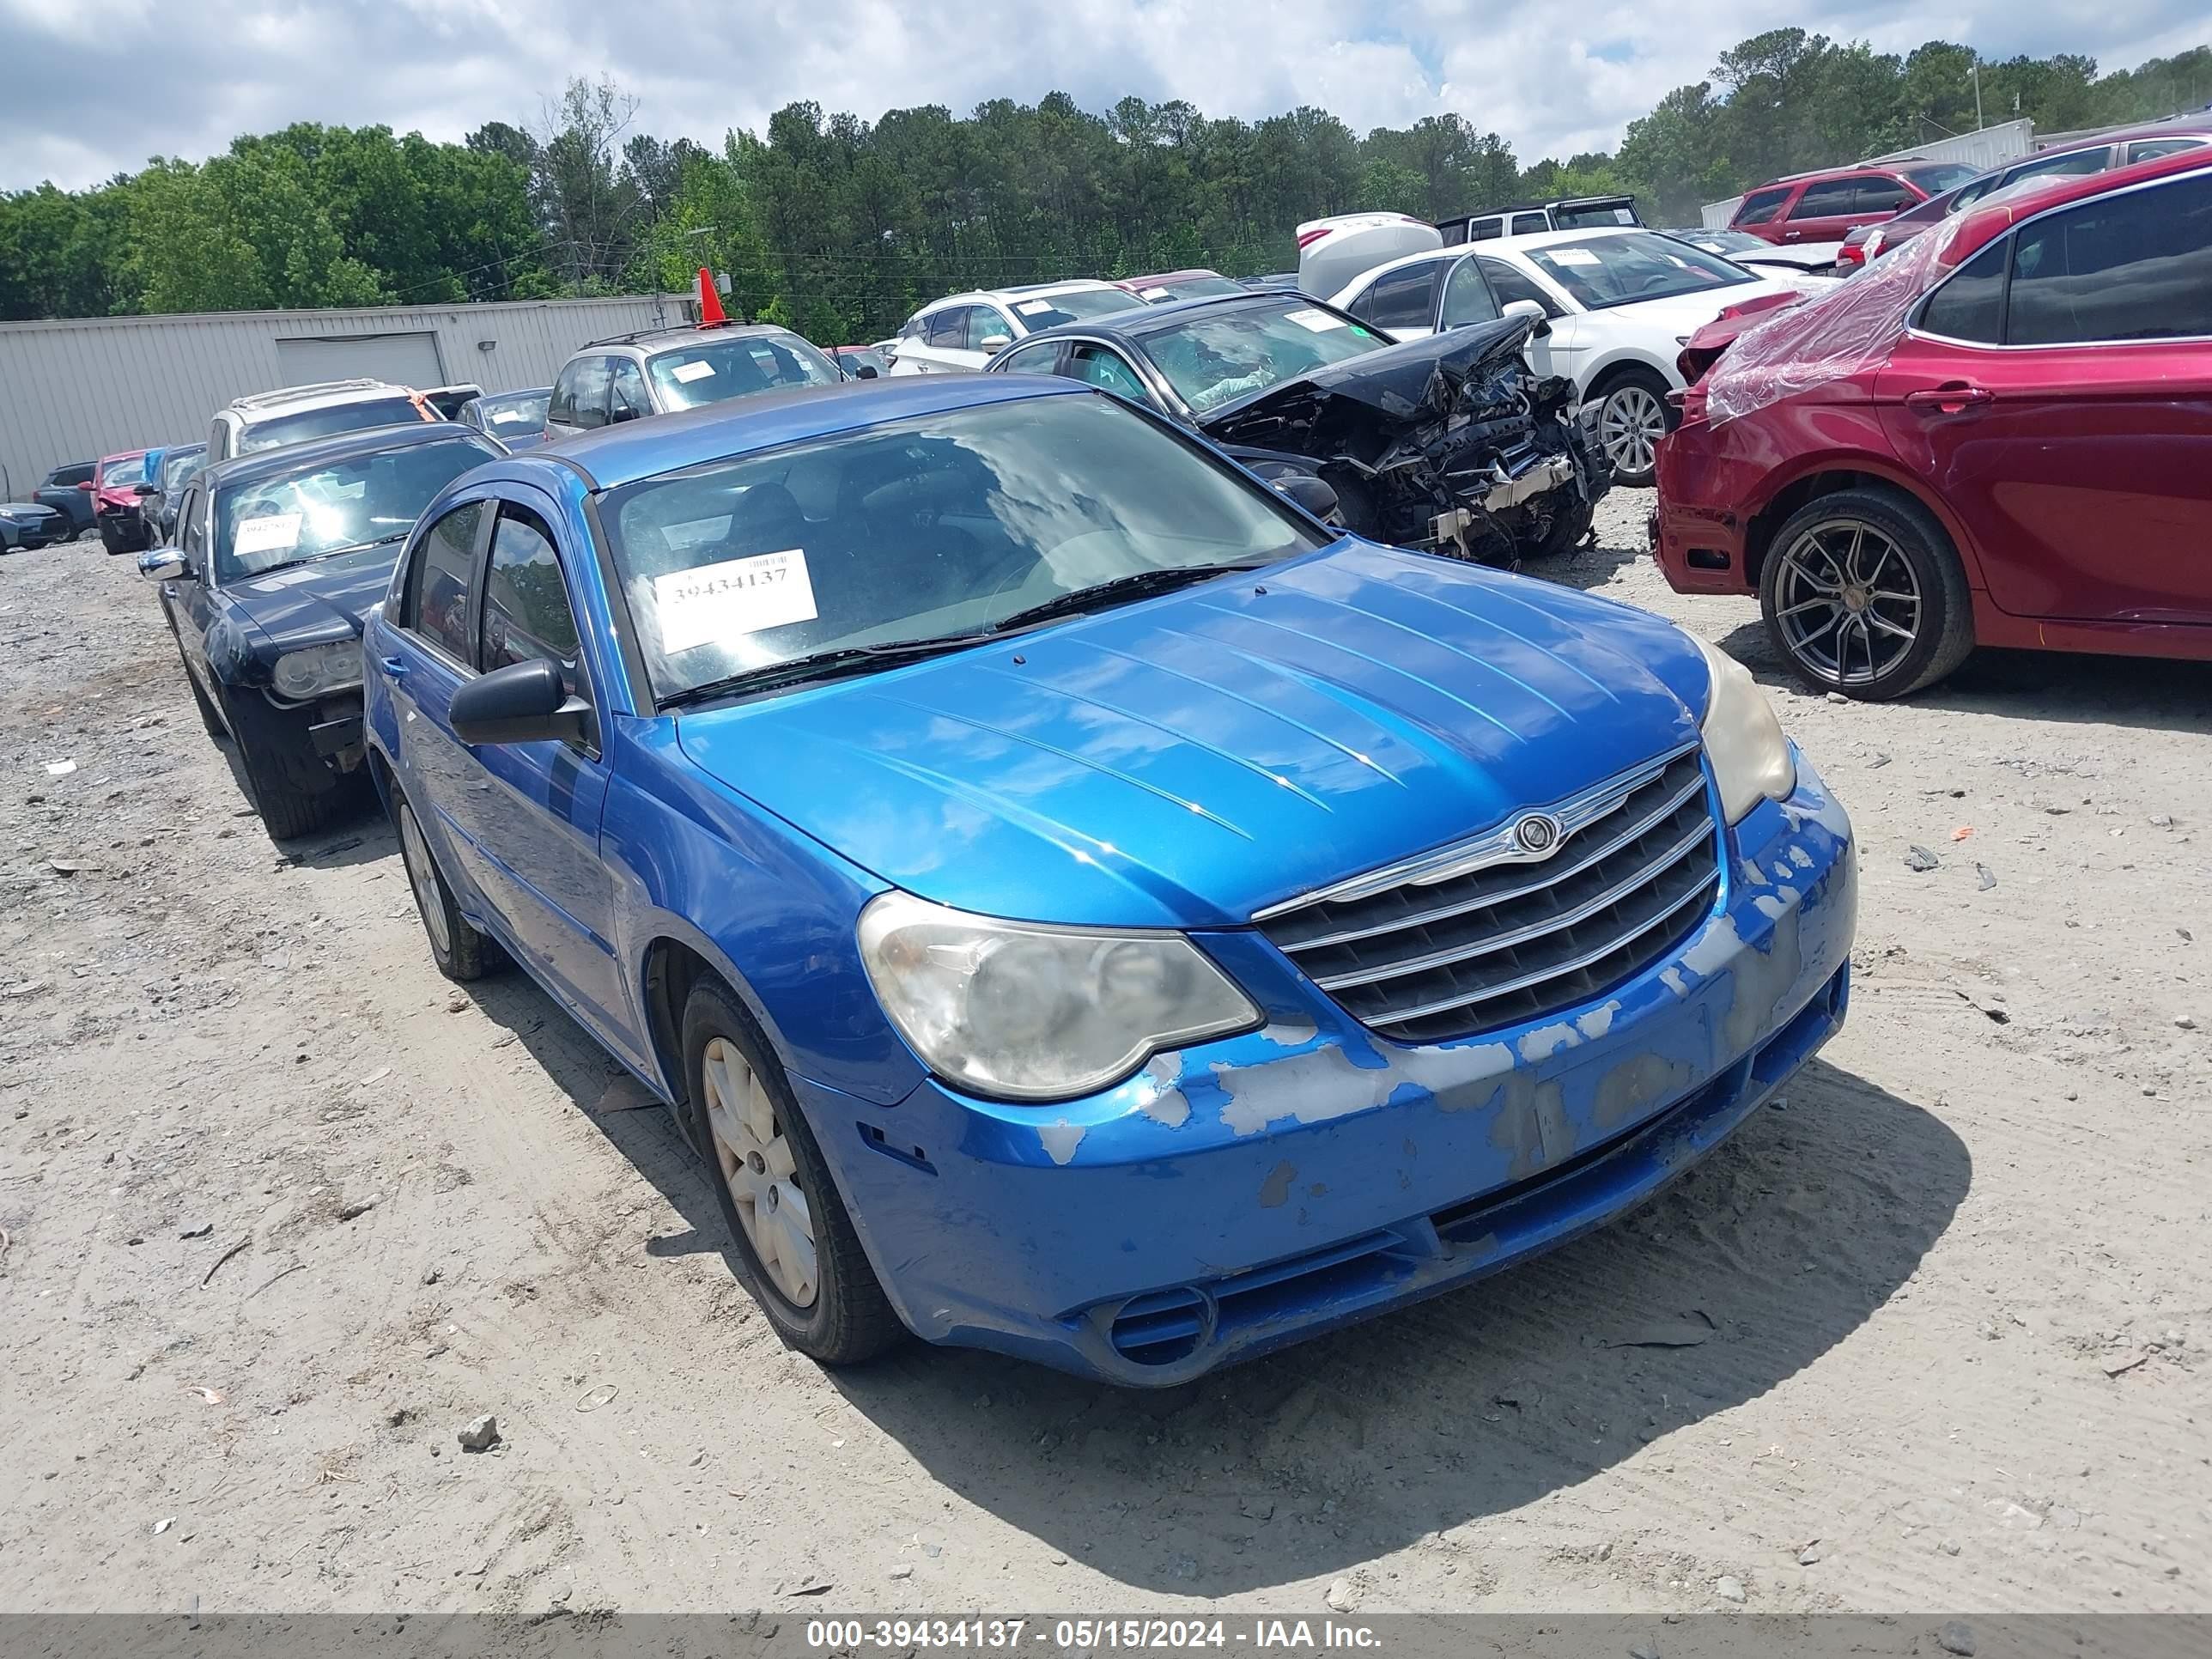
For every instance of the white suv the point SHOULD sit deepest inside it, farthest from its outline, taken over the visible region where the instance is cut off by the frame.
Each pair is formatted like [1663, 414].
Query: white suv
[963, 332]
[294, 414]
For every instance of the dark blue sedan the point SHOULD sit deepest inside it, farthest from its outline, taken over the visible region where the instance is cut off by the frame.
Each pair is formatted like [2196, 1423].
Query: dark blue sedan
[1081, 905]
[277, 556]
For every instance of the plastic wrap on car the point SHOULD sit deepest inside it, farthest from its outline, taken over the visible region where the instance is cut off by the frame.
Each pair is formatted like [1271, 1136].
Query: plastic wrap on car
[1828, 338]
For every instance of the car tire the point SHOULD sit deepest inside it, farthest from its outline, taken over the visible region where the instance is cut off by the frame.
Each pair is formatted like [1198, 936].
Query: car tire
[795, 1245]
[461, 953]
[1568, 527]
[110, 541]
[286, 809]
[1632, 418]
[1872, 572]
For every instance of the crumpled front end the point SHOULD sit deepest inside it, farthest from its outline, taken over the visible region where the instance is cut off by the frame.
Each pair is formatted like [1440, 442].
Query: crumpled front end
[1449, 444]
[1255, 1190]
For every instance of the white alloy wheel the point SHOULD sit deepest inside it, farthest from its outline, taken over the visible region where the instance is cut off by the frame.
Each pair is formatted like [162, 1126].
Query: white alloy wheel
[423, 876]
[757, 1166]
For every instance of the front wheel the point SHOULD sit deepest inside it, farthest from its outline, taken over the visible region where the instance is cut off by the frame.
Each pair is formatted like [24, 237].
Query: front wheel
[797, 1251]
[1863, 594]
[1632, 418]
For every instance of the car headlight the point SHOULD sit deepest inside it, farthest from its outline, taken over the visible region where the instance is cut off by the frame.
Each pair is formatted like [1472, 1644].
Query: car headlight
[317, 669]
[1025, 1011]
[1750, 757]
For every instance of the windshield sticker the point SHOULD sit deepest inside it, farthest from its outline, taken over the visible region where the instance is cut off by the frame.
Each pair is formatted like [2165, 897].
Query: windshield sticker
[1571, 256]
[1033, 307]
[1317, 322]
[272, 532]
[689, 372]
[738, 596]
[1154, 294]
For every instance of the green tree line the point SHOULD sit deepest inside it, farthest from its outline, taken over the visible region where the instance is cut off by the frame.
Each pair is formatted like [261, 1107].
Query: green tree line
[840, 227]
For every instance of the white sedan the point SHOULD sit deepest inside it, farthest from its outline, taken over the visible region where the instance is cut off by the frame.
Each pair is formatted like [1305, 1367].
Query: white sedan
[1620, 304]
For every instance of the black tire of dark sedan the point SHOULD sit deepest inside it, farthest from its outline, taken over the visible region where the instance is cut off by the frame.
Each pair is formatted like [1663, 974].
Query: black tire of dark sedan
[287, 810]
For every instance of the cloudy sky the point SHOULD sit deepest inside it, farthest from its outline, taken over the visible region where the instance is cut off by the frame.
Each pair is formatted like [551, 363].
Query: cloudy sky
[1552, 78]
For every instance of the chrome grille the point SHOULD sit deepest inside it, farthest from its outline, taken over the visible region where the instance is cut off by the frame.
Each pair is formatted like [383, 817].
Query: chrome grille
[1487, 934]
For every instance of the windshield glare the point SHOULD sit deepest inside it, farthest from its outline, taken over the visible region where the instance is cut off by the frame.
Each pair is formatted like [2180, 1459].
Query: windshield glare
[177, 468]
[943, 524]
[524, 412]
[1187, 288]
[274, 522]
[1050, 310]
[1210, 361]
[327, 423]
[694, 375]
[1619, 271]
[120, 475]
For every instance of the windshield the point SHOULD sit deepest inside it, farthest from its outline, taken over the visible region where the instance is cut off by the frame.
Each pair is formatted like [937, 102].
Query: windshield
[1214, 359]
[283, 429]
[718, 370]
[944, 524]
[178, 466]
[516, 412]
[309, 514]
[1184, 288]
[1051, 310]
[1619, 271]
[1938, 176]
[1723, 241]
[1589, 216]
[122, 472]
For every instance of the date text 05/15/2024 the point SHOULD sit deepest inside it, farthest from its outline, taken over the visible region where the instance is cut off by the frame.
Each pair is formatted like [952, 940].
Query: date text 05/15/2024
[1088, 1635]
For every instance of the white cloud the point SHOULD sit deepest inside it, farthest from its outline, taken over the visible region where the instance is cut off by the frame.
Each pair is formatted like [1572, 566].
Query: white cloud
[1552, 79]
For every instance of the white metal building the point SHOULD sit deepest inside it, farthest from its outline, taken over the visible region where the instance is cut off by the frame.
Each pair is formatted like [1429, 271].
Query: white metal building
[84, 387]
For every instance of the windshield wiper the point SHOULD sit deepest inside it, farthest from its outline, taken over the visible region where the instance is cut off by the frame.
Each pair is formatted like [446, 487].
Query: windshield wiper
[1136, 584]
[829, 664]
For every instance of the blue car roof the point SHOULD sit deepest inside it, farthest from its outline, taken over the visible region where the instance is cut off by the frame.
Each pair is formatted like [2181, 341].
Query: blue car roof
[616, 455]
[345, 447]
[1142, 321]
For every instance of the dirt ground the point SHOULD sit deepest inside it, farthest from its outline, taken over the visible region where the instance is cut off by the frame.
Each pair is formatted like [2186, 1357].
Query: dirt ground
[283, 1213]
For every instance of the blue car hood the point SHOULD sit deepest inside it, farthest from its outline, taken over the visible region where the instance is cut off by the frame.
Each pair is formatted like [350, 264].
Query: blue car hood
[307, 604]
[1184, 761]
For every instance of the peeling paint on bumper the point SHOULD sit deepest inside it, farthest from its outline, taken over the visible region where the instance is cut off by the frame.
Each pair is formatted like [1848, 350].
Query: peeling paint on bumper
[1261, 1189]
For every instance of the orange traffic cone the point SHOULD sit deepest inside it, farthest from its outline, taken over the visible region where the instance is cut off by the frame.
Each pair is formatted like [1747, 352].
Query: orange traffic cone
[710, 303]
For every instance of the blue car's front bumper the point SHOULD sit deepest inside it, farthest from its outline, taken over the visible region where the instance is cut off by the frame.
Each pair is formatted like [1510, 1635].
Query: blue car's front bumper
[1260, 1189]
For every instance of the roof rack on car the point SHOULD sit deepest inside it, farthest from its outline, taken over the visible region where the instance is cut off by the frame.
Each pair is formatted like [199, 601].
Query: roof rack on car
[314, 388]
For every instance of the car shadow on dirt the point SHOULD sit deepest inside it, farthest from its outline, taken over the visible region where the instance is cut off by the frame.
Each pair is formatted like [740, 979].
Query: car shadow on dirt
[1312, 1460]
[2155, 694]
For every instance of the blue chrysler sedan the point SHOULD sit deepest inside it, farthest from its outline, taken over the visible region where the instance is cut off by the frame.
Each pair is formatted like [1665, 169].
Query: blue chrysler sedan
[1082, 906]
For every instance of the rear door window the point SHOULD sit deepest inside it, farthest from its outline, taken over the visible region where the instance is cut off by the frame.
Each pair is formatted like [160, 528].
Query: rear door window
[1043, 358]
[1827, 198]
[67, 476]
[1880, 194]
[2149, 149]
[1532, 224]
[1401, 298]
[1485, 230]
[2134, 266]
[948, 328]
[1760, 206]
[436, 604]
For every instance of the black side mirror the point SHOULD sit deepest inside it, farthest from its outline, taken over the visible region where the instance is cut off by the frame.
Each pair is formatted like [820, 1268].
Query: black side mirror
[147, 489]
[619, 412]
[865, 372]
[1308, 492]
[522, 702]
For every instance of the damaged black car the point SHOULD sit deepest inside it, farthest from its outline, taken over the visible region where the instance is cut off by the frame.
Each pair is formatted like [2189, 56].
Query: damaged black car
[278, 557]
[1451, 444]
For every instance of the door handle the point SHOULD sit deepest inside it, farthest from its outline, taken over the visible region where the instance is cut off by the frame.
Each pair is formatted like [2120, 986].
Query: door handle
[1794, 235]
[1952, 400]
[394, 668]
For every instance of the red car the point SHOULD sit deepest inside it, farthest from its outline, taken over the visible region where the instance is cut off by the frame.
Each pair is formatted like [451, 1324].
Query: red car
[117, 508]
[1819, 207]
[2001, 435]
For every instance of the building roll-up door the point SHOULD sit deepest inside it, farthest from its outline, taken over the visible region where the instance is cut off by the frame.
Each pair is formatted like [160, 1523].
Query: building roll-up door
[409, 360]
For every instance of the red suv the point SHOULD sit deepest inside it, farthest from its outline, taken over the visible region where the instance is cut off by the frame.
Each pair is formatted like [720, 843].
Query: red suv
[1819, 207]
[1996, 436]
